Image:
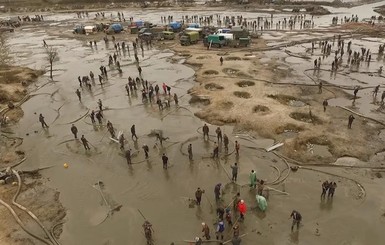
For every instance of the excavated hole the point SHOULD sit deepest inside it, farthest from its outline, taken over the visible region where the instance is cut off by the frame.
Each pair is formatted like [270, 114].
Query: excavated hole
[287, 100]
[245, 83]
[243, 95]
[232, 58]
[305, 117]
[261, 109]
[213, 87]
[210, 72]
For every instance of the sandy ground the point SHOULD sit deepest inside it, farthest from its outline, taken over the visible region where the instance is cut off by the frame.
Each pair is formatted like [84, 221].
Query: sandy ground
[244, 97]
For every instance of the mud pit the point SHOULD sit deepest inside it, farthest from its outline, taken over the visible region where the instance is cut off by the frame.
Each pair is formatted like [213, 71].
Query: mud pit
[163, 195]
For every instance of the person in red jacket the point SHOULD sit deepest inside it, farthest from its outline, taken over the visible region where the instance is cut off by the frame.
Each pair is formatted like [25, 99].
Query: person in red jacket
[242, 209]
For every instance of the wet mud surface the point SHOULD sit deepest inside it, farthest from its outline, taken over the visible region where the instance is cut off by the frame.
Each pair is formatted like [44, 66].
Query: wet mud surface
[257, 101]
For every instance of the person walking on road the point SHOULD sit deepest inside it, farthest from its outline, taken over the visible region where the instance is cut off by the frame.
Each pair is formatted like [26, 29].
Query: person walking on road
[42, 121]
[234, 172]
[198, 196]
[297, 217]
[74, 131]
[85, 143]
[164, 160]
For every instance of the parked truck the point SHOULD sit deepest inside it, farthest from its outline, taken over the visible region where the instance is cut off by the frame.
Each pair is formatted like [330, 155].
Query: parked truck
[175, 26]
[214, 41]
[189, 38]
[114, 28]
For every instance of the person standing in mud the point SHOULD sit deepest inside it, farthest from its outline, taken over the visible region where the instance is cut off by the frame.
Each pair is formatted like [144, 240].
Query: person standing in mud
[382, 97]
[234, 171]
[325, 104]
[127, 154]
[74, 131]
[146, 149]
[99, 116]
[375, 91]
[253, 179]
[242, 209]
[80, 81]
[217, 191]
[85, 143]
[297, 217]
[237, 147]
[100, 105]
[79, 94]
[350, 121]
[332, 188]
[42, 121]
[205, 131]
[206, 231]
[216, 150]
[220, 229]
[320, 87]
[127, 87]
[226, 142]
[218, 131]
[160, 105]
[325, 187]
[190, 153]
[164, 160]
[176, 99]
[221, 60]
[133, 132]
[121, 141]
[92, 116]
[355, 94]
[110, 129]
[140, 71]
[237, 199]
[198, 196]
[147, 227]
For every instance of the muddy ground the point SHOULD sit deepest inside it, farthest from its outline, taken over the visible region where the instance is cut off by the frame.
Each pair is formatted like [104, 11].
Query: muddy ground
[261, 95]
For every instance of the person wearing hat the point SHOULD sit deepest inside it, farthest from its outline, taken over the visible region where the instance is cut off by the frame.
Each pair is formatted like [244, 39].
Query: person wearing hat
[242, 209]
[206, 231]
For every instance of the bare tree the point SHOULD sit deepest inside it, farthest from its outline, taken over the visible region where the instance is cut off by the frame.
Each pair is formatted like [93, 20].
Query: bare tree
[51, 57]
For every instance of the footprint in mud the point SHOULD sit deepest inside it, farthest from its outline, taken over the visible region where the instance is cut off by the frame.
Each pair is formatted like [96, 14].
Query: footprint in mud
[243, 95]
